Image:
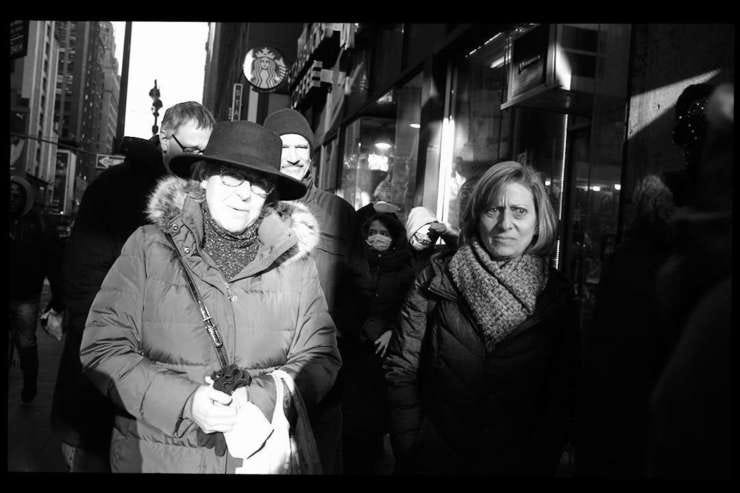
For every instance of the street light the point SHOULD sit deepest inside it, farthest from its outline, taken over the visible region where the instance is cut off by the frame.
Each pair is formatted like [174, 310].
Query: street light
[156, 105]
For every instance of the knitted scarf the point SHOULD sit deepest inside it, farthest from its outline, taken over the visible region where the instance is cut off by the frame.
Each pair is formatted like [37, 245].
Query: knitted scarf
[500, 294]
[230, 251]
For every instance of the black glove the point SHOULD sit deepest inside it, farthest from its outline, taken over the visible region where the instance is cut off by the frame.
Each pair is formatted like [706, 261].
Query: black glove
[212, 440]
[226, 380]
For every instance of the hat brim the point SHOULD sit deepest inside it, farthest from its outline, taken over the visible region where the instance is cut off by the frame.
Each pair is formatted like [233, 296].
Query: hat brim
[289, 188]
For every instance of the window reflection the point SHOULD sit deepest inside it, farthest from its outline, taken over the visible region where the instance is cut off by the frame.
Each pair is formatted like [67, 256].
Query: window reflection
[381, 148]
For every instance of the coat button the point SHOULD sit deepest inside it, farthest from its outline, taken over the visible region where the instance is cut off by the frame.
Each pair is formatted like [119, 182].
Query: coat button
[186, 250]
[174, 228]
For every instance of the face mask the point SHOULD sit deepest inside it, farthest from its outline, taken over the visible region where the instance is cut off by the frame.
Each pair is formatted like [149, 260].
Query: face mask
[380, 243]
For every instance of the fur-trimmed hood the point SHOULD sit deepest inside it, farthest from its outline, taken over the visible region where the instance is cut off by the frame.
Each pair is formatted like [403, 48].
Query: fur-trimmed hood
[167, 204]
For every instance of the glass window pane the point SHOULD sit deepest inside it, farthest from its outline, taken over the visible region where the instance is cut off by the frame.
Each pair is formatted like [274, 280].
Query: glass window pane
[381, 148]
[481, 131]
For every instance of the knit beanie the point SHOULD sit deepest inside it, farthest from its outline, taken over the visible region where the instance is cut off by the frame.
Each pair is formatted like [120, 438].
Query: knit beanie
[289, 121]
[418, 217]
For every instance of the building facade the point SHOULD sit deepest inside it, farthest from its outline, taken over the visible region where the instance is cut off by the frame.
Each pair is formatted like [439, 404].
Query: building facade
[407, 113]
[32, 91]
[87, 91]
[226, 91]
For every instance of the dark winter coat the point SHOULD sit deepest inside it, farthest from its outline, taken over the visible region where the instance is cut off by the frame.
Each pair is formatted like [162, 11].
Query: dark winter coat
[113, 206]
[145, 347]
[455, 409]
[336, 222]
[35, 254]
[336, 219]
[690, 407]
[624, 351]
[370, 302]
[374, 289]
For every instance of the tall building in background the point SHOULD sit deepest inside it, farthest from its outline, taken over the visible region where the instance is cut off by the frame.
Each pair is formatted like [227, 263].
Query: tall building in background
[83, 109]
[111, 89]
[33, 78]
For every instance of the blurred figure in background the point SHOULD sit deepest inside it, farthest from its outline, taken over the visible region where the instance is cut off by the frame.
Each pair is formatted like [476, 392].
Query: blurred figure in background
[481, 375]
[623, 348]
[370, 301]
[422, 231]
[691, 405]
[336, 219]
[35, 254]
[689, 133]
[112, 207]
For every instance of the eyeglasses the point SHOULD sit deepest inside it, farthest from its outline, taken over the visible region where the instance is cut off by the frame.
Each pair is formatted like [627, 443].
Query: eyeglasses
[188, 150]
[257, 184]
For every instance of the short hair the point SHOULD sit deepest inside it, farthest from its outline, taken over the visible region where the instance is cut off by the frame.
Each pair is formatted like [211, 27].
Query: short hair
[488, 187]
[181, 113]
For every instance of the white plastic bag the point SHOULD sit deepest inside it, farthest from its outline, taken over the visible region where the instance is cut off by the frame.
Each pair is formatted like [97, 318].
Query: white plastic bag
[284, 452]
[51, 322]
[250, 432]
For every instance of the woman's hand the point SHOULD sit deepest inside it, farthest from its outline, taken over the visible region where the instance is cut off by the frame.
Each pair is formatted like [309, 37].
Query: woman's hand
[381, 343]
[438, 227]
[212, 409]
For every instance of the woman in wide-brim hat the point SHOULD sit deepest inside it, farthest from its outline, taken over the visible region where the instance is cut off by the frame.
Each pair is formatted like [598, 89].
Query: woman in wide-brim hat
[145, 345]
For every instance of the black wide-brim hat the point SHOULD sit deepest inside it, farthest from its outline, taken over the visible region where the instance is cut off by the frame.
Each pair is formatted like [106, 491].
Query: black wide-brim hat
[246, 145]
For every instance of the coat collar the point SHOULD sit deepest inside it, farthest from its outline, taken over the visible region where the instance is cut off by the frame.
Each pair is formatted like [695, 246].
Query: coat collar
[288, 230]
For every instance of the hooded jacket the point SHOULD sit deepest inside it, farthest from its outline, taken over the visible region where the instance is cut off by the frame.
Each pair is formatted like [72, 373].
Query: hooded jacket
[35, 253]
[113, 206]
[456, 409]
[145, 347]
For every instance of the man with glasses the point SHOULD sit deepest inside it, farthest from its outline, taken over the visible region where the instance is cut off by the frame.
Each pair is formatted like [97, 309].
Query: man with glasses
[337, 224]
[113, 207]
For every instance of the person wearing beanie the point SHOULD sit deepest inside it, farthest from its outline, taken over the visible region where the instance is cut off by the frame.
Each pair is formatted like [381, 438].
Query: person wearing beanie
[422, 231]
[337, 224]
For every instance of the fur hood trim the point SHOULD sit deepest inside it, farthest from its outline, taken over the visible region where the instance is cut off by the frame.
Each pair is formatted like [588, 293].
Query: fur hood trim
[167, 200]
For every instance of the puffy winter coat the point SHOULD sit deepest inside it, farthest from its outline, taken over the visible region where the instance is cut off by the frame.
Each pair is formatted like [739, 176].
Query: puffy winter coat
[456, 409]
[145, 347]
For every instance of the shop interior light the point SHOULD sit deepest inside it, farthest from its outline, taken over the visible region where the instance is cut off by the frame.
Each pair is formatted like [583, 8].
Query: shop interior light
[382, 145]
[377, 162]
[414, 125]
[499, 62]
[617, 187]
[596, 188]
[547, 183]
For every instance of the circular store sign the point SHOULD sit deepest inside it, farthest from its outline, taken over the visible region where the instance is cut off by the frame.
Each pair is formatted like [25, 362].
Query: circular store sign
[264, 68]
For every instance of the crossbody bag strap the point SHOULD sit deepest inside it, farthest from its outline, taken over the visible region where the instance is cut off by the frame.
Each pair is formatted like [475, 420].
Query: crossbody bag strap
[213, 332]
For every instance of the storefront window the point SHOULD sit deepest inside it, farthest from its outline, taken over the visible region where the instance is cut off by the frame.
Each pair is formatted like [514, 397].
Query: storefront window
[381, 148]
[387, 54]
[478, 131]
[327, 172]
